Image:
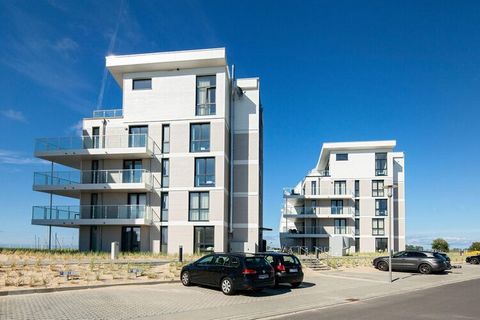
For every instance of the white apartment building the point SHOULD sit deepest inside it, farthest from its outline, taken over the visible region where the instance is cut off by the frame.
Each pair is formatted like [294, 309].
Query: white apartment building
[179, 165]
[341, 205]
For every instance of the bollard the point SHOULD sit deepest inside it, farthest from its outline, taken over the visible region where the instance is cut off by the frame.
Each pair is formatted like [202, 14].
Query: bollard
[114, 250]
[180, 253]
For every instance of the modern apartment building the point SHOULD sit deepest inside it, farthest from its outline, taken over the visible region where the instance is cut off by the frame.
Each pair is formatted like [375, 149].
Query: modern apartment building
[342, 205]
[179, 165]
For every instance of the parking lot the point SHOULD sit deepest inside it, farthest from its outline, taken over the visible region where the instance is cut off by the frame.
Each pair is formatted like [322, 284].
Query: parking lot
[173, 301]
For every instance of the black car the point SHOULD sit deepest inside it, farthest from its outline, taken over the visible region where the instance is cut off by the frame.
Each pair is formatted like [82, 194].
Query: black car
[421, 261]
[473, 259]
[288, 268]
[447, 258]
[230, 272]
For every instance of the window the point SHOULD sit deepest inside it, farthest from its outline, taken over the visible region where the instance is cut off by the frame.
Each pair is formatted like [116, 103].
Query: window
[378, 227]
[357, 207]
[340, 187]
[234, 262]
[221, 260]
[381, 207]
[206, 260]
[315, 208]
[131, 239]
[137, 137]
[165, 173]
[199, 206]
[206, 87]
[96, 137]
[381, 244]
[357, 188]
[132, 172]
[204, 172]
[164, 239]
[357, 244]
[166, 138]
[337, 207]
[381, 164]
[342, 156]
[377, 188]
[357, 227]
[164, 206]
[340, 226]
[415, 255]
[203, 239]
[200, 137]
[314, 187]
[142, 84]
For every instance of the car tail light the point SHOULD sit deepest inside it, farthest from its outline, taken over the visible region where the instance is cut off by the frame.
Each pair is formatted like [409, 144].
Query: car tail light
[249, 271]
[280, 267]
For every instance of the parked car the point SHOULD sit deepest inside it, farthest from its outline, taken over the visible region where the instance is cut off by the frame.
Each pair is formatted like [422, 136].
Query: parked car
[288, 268]
[230, 272]
[473, 259]
[447, 258]
[421, 261]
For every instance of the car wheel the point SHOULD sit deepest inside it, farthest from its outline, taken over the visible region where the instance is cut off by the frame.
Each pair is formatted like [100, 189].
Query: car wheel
[475, 261]
[425, 269]
[186, 279]
[227, 286]
[296, 284]
[383, 266]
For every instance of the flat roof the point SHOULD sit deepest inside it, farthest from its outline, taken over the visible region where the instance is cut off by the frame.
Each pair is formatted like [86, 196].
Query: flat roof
[161, 61]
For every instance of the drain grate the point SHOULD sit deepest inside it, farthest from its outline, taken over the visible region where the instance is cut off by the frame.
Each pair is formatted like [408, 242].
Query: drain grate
[352, 300]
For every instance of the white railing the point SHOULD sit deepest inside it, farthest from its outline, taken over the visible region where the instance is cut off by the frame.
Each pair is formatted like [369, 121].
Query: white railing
[291, 192]
[108, 113]
[91, 212]
[96, 142]
[92, 177]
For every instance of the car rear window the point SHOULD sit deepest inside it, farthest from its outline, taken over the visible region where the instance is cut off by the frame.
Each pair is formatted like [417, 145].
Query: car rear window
[254, 262]
[440, 256]
[290, 261]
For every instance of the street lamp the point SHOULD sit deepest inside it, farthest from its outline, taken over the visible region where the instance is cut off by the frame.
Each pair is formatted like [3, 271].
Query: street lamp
[389, 189]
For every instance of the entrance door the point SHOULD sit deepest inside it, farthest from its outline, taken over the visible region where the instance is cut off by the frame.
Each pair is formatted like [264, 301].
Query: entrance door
[136, 204]
[132, 171]
[94, 238]
[131, 239]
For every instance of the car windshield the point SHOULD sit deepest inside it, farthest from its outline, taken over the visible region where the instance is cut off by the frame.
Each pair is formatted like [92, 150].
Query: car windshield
[255, 262]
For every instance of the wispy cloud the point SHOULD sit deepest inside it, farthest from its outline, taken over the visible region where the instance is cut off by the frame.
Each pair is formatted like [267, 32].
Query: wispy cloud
[76, 128]
[18, 158]
[14, 115]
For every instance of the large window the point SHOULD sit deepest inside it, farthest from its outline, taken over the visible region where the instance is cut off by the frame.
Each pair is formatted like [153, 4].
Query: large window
[137, 137]
[377, 188]
[337, 207]
[200, 137]
[314, 187]
[357, 227]
[132, 173]
[141, 84]
[164, 239]
[378, 227]
[206, 87]
[380, 164]
[357, 188]
[340, 226]
[96, 137]
[130, 239]
[164, 206]
[381, 244]
[342, 156]
[204, 240]
[204, 172]
[166, 138]
[340, 187]
[357, 207]
[199, 206]
[165, 173]
[381, 207]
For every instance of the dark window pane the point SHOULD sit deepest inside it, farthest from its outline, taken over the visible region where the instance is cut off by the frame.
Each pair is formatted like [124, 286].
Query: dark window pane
[142, 84]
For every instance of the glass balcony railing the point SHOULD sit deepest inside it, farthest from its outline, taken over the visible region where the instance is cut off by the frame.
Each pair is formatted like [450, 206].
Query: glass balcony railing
[91, 212]
[96, 142]
[308, 230]
[293, 192]
[319, 211]
[91, 177]
[108, 113]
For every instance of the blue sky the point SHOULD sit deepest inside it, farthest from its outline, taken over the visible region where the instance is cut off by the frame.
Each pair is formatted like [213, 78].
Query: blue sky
[330, 71]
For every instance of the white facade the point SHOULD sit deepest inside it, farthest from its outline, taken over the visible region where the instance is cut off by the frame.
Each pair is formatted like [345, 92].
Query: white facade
[156, 175]
[341, 205]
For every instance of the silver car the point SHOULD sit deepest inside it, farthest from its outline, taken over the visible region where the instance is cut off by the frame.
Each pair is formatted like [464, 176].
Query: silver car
[421, 261]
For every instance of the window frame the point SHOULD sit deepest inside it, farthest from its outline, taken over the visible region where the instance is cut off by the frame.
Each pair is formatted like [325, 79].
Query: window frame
[341, 227]
[199, 205]
[205, 174]
[336, 207]
[376, 191]
[341, 156]
[165, 177]
[208, 141]
[378, 211]
[340, 183]
[163, 209]
[140, 80]
[376, 229]
[211, 108]
[165, 143]
[377, 240]
[381, 170]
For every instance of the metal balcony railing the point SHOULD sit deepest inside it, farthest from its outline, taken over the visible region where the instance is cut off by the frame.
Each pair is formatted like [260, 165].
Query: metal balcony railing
[108, 113]
[92, 177]
[91, 212]
[96, 142]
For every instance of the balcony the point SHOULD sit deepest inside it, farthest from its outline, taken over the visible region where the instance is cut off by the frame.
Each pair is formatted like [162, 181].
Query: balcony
[70, 151]
[71, 183]
[108, 113]
[319, 212]
[323, 193]
[317, 232]
[75, 216]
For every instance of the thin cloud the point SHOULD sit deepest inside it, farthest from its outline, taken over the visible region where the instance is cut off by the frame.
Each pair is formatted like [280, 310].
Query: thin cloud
[76, 129]
[18, 158]
[14, 115]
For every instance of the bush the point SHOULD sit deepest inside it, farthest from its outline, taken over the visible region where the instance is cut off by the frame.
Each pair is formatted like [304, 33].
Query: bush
[475, 246]
[440, 245]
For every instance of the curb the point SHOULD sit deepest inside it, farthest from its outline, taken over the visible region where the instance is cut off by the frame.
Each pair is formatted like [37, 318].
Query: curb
[60, 289]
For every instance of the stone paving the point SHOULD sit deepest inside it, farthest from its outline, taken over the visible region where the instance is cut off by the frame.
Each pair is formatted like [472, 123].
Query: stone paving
[173, 301]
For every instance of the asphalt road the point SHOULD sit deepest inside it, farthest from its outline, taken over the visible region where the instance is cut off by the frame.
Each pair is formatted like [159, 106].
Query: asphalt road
[454, 301]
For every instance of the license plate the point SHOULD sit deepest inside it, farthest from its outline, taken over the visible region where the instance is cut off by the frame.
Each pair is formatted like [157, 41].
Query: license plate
[263, 276]
[293, 270]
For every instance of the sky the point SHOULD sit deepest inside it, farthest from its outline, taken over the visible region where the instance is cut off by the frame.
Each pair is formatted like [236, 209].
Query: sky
[330, 71]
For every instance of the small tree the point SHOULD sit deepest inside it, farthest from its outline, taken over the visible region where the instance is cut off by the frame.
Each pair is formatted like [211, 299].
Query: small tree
[440, 245]
[475, 246]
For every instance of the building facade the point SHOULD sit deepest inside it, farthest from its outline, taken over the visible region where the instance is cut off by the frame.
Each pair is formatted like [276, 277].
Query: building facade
[179, 165]
[342, 205]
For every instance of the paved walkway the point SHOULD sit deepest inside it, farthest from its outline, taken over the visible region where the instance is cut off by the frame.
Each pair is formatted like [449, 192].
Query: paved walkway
[173, 301]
